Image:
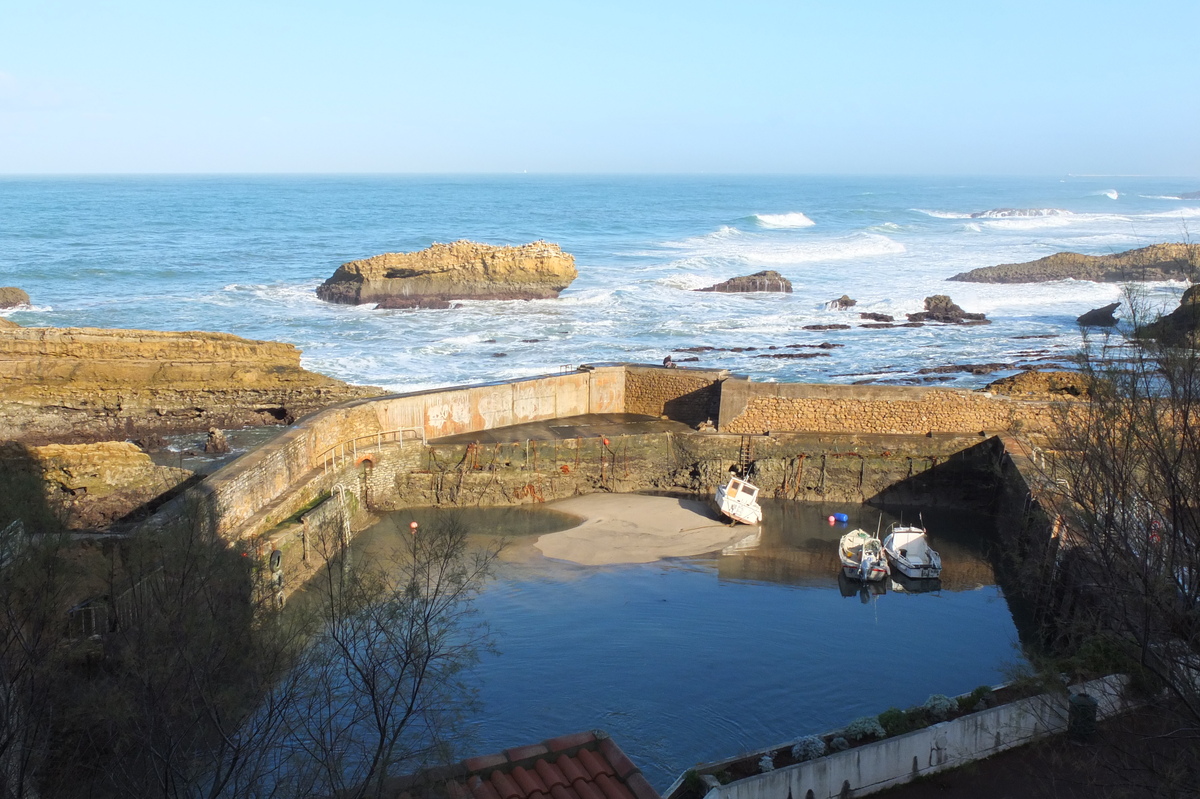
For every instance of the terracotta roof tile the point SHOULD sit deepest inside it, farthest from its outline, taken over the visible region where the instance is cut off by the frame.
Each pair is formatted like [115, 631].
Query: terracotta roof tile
[640, 786]
[484, 761]
[617, 759]
[528, 781]
[524, 752]
[505, 786]
[565, 742]
[594, 764]
[572, 769]
[597, 769]
[551, 774]
[612, 788]
[481, 789]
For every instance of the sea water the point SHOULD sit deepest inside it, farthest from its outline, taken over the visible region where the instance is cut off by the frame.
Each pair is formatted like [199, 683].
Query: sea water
[244, 255]
[695, 659]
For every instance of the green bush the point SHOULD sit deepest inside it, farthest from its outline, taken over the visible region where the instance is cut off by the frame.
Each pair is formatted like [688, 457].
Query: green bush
[981, 694]
[895, 721]
[865, 727]
[939, 706]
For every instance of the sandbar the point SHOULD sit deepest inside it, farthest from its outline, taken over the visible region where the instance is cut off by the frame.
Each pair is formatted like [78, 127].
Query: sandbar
[634, 528]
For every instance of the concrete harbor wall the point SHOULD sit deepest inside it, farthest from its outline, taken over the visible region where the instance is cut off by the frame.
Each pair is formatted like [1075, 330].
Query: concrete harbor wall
[893, 445]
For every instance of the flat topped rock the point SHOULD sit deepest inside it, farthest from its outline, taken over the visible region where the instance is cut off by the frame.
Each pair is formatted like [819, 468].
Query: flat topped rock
[767, 280]
[463, 270]
[1156, 262]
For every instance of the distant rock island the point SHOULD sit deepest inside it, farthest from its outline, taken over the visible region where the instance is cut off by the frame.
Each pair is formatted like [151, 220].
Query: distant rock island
[767, 280]
[463, 270]
[1156, 262]
[73, 385]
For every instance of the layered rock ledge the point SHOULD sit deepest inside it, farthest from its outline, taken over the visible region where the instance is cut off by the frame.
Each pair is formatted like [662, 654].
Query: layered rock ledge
[1156, 262]
[88, 384]
[463, 270]
[81, 486]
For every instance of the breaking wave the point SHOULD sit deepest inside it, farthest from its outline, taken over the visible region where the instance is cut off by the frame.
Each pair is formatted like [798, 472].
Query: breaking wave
[795, 219]
[732, 245]
[997, 213]
[1111, 194]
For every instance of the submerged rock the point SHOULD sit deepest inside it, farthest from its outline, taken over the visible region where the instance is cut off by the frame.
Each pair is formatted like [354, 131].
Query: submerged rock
[877, 317]
[841, 303]
[767, 280]
[1156, 262]
[940, 308]
[11, 297]
[463, 270]
[1099, 317]
[216, 443]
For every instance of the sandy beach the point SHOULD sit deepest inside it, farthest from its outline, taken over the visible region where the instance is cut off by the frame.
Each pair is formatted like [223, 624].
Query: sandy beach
[632, 528]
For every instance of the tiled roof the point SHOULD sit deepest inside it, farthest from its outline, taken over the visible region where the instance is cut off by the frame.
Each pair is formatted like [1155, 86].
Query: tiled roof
[585, 765]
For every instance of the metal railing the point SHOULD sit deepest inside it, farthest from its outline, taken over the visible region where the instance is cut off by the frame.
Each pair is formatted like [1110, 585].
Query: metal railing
[339, 455]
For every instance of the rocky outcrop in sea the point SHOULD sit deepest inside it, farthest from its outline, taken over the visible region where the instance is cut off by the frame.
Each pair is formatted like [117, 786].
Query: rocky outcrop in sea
[1156, 262]
[1034, 383]
[1099, 317]
[940, 308]
[767, 280]
[12, 297]
[1181, 327]
[463, 270]
[75, 385]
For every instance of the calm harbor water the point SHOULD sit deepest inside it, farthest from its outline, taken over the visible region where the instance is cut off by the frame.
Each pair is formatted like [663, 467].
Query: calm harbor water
[692, 659]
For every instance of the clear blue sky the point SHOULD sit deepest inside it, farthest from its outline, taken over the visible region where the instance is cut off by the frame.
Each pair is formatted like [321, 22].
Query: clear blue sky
[1007, 87]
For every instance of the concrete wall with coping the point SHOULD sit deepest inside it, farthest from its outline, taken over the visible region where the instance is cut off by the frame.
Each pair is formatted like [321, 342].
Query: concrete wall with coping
[260, 489]
[875, 766]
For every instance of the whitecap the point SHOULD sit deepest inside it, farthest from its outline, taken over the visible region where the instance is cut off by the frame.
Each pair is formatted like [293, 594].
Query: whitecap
[1111, 194]
[941, 214]
[1019, 213]
[794, 219]
[1160, 197]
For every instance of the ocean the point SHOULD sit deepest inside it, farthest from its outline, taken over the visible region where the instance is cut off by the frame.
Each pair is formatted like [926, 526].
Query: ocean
[244, 255]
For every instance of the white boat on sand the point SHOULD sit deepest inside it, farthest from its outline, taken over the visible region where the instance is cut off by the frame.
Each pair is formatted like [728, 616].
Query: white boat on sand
[910, 554]
[738, 500]
[862, 556]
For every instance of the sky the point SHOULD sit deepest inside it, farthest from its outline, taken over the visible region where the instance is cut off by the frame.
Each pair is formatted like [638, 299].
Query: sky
[567, 86]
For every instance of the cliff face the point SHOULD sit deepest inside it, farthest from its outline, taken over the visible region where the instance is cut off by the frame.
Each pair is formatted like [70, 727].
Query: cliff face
[462, 270]
[80, 486]
[1156, 262]
[88, 384]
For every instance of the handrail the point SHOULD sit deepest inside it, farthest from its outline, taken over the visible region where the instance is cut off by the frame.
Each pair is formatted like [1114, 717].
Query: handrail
[337, 455]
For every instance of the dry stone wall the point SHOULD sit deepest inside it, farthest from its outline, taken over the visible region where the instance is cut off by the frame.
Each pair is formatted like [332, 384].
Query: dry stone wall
[755, 408]
[690, 396]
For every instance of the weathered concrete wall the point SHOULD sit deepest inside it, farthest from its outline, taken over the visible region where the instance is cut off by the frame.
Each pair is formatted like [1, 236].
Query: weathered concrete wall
[260, 489]
[876, 766]
[748, 407]
[690, 396]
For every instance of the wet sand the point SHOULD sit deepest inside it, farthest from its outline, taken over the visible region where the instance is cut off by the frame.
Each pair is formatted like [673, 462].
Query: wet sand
[632, 528]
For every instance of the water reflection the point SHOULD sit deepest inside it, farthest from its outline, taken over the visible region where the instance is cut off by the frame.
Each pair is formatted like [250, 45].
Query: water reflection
[690, 659]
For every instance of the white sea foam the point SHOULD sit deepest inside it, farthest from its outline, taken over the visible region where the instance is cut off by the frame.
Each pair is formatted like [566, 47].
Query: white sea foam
[941, 214]
[752, 249]
[996, 213]
[1111, 194]
[1160, 197]
[795, 219]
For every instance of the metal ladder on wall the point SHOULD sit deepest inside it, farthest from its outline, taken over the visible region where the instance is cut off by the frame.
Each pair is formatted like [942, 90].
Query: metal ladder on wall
[745, 455]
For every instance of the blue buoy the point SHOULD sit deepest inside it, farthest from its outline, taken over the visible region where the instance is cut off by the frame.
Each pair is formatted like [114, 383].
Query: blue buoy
[841, 517]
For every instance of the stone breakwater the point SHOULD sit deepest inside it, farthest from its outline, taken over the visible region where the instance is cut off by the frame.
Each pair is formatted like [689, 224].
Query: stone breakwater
[457, 271]
[1156, 262]
[88, 384]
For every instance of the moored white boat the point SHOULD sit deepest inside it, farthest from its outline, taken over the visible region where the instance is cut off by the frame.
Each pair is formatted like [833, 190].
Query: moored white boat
[909, 552]
[862, 556]
[738, 500]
